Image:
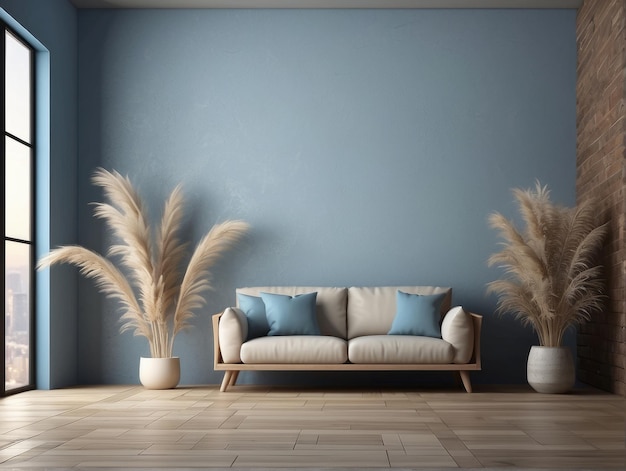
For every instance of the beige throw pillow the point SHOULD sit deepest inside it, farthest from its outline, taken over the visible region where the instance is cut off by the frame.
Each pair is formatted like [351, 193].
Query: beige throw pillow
[232, 331]
[457, 328]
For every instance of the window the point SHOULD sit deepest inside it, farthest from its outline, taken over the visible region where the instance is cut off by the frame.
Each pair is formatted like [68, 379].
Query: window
[17, 87]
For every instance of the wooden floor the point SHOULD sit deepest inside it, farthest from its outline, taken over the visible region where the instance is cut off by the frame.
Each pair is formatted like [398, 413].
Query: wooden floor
[199, 427]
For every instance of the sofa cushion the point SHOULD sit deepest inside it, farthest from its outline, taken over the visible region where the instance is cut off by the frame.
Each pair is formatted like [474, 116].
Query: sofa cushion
[232, 332]
[295, 349]
[399, 349]
[371, 310]
[291, 315]
[254, 309]
[330, 305]
[457, 328]
[417, 314]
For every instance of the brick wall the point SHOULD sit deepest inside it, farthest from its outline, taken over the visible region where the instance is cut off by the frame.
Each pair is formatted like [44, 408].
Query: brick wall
[601, 173]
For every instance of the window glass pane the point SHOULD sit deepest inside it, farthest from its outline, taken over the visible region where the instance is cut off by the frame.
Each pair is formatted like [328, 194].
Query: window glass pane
[17, 315]
[17, 88]
[18, 192]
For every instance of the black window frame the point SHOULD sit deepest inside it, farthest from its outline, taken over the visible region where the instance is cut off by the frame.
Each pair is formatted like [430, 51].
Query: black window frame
[32, 242]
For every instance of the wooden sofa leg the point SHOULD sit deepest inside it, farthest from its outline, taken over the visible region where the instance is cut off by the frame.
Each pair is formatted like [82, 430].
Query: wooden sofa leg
[226, 381]
[233, 378]
[465, 377]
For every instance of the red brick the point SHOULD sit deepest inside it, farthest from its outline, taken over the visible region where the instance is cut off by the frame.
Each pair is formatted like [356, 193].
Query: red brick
[601, 174]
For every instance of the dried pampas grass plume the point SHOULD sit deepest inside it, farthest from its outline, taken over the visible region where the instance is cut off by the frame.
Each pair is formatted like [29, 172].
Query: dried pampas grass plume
[164, 299]
[552, 280]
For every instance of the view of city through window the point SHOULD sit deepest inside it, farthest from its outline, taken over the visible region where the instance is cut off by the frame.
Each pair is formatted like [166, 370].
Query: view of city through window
[18, 209]
[17, 320]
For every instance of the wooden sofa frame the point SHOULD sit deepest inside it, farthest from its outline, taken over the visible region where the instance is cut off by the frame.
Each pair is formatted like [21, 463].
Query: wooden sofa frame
[232, 370]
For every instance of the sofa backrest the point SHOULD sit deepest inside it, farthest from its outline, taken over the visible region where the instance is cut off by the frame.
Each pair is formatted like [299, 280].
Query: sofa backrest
[371, 310]
[330, 302]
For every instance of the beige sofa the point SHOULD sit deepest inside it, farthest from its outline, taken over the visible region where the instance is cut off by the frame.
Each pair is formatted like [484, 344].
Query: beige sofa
[354, 324]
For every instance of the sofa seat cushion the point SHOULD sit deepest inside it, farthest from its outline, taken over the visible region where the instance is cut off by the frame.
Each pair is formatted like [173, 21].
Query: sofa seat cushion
[399, 349]
[295, 349]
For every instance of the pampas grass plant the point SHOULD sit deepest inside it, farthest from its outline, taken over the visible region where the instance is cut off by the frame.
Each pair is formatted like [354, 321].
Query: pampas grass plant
[157, 297]
[552, 281]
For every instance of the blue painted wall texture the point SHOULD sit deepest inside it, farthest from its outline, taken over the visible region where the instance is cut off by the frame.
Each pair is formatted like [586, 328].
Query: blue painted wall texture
[365, 147]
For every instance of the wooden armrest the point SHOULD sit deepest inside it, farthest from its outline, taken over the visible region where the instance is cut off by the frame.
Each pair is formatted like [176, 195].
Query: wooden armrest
[217, 354]
[478, 323]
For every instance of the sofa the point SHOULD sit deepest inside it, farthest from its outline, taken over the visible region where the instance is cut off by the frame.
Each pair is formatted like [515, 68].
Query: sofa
[387, 328]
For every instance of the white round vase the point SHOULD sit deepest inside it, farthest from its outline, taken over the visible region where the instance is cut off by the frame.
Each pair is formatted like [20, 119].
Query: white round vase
[550, 370]
[159, 373]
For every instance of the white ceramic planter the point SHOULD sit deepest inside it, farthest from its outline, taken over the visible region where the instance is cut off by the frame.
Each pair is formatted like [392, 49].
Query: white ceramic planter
[159, 373]
[550, 369]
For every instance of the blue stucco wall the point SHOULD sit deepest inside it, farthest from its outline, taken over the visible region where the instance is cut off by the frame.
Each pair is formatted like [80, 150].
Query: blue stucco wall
[51, 27]
[365, 148]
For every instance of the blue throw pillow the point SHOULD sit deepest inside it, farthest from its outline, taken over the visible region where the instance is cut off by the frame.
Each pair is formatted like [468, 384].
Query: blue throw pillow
[288, 315]
[254, 309]
[417, 315]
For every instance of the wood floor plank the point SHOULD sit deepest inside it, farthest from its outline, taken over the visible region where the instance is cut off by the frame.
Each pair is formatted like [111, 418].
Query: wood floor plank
[307, 459]
[199, 427]
[421, 460]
